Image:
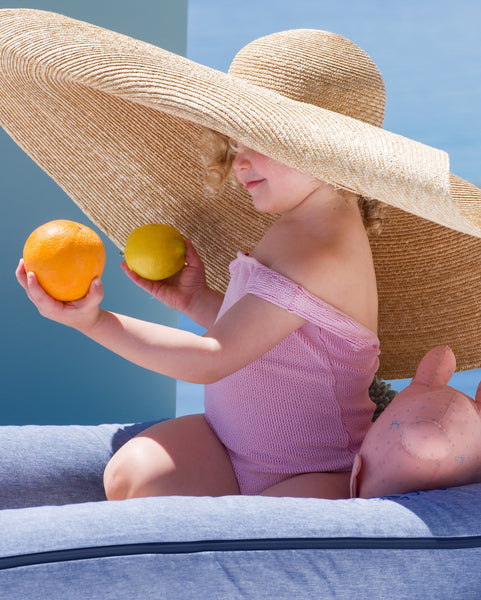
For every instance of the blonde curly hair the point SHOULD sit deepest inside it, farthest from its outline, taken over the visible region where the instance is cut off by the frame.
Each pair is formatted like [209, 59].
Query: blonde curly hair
[217, 154]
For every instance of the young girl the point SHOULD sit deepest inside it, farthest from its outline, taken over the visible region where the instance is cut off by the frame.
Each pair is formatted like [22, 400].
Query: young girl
[288, 355]
[291, 349]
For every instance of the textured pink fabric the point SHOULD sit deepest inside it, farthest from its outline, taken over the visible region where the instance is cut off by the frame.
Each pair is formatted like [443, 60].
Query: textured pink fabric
[303, 406]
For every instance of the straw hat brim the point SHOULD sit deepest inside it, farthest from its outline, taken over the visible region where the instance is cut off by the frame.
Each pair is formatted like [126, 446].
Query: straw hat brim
[117, 123]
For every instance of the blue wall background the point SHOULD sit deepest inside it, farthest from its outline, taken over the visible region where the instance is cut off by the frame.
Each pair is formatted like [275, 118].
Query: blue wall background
[49, 373]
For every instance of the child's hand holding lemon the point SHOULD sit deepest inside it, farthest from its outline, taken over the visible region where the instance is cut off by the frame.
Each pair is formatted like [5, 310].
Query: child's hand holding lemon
[155, 251]
[154, 254]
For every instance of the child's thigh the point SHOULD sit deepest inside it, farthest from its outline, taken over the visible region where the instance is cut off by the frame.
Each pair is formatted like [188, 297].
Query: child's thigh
[313, 485]
[181, 456]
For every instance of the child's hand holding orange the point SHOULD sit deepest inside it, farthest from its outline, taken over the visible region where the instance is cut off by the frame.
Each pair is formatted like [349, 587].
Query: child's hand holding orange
[60, 271]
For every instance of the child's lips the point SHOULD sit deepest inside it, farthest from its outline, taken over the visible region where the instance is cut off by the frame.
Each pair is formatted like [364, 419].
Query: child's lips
[249, 185]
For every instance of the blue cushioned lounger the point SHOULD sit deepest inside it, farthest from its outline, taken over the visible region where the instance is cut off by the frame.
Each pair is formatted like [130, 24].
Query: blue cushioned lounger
[78, 546]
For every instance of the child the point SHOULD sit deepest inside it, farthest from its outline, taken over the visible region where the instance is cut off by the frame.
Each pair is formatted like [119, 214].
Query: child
[288, 356]
[291, 349]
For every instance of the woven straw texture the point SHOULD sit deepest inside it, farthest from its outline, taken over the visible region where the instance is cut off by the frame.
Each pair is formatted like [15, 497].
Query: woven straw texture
[117, 123]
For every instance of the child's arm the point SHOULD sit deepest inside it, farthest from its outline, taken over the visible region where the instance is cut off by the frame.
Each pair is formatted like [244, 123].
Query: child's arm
[249, 329]
[186, 292]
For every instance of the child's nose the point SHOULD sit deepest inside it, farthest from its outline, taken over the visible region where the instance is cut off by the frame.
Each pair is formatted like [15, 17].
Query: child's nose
[242, 160]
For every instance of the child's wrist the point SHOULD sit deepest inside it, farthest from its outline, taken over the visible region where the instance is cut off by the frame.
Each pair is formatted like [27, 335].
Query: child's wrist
[204, 306]
[90, 326]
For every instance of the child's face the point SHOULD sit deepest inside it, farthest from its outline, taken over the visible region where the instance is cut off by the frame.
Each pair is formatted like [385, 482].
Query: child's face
[273, 186]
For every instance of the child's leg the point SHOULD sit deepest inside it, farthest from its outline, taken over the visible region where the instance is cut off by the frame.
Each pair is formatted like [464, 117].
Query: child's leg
[181, 456]
[331, 486]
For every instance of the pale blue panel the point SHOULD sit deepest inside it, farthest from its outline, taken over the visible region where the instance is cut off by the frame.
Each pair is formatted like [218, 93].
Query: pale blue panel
[50, 374]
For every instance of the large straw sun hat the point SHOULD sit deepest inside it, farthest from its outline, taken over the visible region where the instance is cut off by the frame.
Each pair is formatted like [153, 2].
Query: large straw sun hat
[117, 123]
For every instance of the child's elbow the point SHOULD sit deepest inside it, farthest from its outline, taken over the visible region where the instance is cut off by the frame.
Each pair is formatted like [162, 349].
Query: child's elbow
[212, 366]
[210, 375]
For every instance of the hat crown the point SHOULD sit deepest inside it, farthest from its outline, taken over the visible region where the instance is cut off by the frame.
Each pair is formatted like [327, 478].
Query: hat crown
[316, 67]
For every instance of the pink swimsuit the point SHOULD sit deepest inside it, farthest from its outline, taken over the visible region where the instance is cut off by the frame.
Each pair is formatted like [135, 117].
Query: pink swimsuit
[303, 406]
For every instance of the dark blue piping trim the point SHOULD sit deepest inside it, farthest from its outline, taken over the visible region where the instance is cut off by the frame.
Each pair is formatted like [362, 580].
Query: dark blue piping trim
[241, 545]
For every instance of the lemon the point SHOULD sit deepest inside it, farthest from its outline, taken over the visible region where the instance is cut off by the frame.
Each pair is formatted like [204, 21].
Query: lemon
[155, 251]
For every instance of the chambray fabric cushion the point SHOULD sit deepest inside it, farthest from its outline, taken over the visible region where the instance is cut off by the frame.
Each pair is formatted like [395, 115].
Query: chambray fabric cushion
[414, 546]
[57, 464]
[418, 546]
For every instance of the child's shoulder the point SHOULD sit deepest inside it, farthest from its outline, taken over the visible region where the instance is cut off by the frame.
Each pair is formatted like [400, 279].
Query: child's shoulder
[310, 262]
[338, 273]
[333, 263]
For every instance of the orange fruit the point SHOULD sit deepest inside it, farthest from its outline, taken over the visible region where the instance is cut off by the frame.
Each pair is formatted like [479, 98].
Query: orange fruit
[65, 256]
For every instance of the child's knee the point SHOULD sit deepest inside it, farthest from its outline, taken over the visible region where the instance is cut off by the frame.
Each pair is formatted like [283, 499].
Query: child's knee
[123, 475]
[115, 480]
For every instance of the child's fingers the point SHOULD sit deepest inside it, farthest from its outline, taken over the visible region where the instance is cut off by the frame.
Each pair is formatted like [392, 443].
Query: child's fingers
[35, 290]
[95, 294]
[145, 284]
[45, 304]
[21, 274]
[91, 299]
[131, 274]
[192, 257]
[30, 284]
